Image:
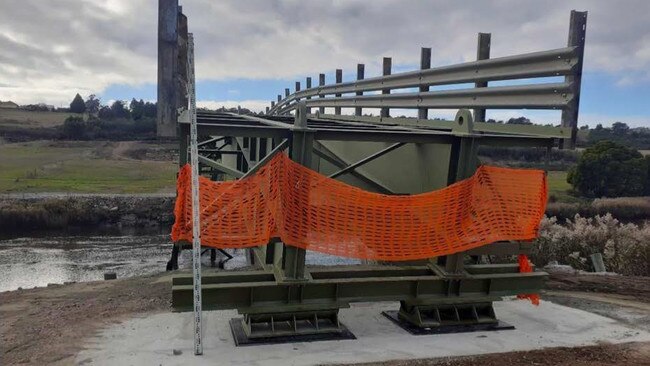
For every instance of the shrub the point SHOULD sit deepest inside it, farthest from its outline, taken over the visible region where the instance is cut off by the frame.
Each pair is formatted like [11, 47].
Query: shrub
[624, 247]
[609, 170]
[74, 128]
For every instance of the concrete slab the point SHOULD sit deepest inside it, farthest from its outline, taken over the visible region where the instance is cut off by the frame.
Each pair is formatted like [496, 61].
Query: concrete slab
[153, 339]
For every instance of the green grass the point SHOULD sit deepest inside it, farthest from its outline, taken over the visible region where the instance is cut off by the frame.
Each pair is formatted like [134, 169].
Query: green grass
[79, 167]
[559, 187]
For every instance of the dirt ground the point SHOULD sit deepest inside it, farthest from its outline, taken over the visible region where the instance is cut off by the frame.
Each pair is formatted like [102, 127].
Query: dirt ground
[49, 325]
[637, 354]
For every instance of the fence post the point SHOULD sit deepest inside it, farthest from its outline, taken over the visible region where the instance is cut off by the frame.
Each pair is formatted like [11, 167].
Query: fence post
[425, 63]
[482, 53]
[279, 98]
[577, 32]
[321, 82]
[297, 89]
[339, 79]
[308, 86]
[385, 112]
[286, 92]
[166, 119]
[360, 71]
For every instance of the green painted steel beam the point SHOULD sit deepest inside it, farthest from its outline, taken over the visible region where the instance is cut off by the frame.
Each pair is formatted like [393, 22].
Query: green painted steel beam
[327, 293]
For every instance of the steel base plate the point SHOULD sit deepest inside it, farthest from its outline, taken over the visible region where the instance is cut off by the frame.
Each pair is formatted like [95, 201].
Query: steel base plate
[241, 339]
[443, 329]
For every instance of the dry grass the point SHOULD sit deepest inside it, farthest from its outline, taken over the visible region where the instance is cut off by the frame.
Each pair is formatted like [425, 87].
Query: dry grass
[32, 119]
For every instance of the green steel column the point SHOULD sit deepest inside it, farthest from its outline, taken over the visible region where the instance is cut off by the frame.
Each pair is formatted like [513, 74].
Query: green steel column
[301, 152]
[463, 163]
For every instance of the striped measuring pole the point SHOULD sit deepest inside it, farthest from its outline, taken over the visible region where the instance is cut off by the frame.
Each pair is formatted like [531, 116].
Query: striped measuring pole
[196, 211]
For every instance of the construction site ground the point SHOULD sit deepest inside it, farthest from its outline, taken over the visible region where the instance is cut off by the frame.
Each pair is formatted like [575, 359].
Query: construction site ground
[584, 320]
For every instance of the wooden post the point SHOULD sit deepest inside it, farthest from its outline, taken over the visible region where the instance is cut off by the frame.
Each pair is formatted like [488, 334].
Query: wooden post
[166, 118]
[297, 89]
[286, 92]
[279, 98]
[360, 75]
[482, 53]
[385, 112]
[577, 33]
[321, 82]
[339, 79]
[425, 63]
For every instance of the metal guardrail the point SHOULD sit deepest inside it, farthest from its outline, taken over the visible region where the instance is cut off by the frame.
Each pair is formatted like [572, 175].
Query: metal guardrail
[559, 62]
[388, 91]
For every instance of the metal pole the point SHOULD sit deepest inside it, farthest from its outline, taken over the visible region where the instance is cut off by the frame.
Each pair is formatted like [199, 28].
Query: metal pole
[425, 63]
[577, 33]
[308, 86]
[196, 210]
[482, 53]
[321, 82]
[358, 111]
[339, 80]
[385, 112]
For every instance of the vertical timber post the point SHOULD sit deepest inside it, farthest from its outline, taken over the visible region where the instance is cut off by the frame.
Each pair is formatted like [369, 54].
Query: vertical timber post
[360, 75]
[482, 53]
[301, 153]
[387, 65]
[166, 118]
[425, 63]
[577, 33]
[339, 79]
[321, 82]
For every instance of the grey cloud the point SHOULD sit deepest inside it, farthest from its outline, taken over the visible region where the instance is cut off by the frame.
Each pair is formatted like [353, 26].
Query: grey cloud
[48, 48]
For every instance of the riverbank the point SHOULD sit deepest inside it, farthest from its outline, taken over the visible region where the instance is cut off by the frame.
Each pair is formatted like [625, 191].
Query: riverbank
[51, 325]
[32, 212]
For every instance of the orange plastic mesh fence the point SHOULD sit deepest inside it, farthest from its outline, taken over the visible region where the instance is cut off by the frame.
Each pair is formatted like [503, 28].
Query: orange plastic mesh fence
[308, 210]
[525, 267]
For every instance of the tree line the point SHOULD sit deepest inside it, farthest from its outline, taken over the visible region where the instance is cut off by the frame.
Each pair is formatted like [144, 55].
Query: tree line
[117, 121]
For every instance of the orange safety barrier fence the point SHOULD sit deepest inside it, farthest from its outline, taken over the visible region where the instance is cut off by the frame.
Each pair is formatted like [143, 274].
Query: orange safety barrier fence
[525, 267]
[308, 210]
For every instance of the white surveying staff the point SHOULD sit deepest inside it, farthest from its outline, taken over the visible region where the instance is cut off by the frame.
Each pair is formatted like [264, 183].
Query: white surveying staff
[196, 210]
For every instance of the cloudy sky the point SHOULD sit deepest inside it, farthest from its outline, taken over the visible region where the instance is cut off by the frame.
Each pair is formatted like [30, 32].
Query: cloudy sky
[249, 51]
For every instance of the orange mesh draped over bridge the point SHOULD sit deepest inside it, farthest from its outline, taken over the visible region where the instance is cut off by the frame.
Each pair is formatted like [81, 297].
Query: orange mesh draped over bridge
[308, 210]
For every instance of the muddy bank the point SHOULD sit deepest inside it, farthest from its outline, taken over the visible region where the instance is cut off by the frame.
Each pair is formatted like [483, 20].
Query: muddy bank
[30, 213]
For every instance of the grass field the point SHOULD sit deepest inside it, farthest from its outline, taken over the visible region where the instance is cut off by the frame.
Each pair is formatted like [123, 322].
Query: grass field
[559, 187]
[20, 118]
[92, 167]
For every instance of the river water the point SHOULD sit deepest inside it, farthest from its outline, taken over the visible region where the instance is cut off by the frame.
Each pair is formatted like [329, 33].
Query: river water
[29, 262]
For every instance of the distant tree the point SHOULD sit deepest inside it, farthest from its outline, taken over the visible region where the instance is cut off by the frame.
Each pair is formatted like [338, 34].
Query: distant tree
[519, 121]
[584, 127]
[77, 105]
[74, 128]
[599, 127]
[150, 110]
[620, 128]
[105, 112]
[92, 104]
[608, 169]
[137, 109]
[118, 110]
